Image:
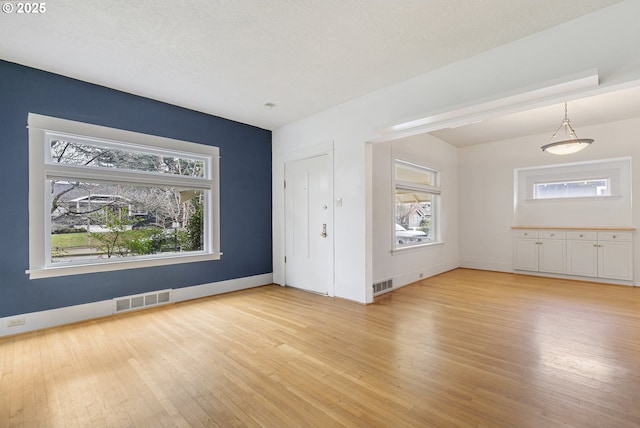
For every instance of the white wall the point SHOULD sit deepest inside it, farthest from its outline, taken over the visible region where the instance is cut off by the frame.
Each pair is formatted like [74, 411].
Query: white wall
[406, 266]
[608, 44]
[487, 191]
[611, 210]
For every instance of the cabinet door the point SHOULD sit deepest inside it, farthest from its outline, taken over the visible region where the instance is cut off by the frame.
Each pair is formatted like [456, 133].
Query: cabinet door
[582, 258]
[551, 255]
[525, 254]
[615, 260]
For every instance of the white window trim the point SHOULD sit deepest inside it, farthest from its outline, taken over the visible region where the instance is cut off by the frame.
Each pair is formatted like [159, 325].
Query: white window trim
[41, 169]
[404, 185]
[416, 247]
[610, 169]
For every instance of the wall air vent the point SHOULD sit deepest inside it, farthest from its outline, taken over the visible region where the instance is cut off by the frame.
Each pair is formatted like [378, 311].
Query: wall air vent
[130, 303]
[381, 286]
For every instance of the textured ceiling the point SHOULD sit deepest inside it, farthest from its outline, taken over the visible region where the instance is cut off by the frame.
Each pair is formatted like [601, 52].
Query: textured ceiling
[230, 57]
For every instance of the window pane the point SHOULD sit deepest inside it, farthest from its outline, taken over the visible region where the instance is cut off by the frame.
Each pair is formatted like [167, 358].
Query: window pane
[98, 155]
[415, 174]
[98, 221]
[414, 219]
[572, 189]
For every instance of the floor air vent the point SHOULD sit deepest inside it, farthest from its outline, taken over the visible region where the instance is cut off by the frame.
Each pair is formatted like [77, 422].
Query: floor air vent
[139, 301]
[381, 286]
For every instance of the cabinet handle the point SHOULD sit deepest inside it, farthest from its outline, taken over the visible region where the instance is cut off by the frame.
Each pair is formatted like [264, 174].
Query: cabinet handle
[614, 236]
[581, 236]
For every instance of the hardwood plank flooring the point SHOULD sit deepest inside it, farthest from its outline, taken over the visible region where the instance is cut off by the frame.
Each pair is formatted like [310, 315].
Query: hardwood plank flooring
[463, 349]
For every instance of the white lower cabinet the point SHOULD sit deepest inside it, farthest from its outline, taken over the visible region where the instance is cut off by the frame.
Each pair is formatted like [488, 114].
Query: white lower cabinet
[540, 251]
[525, 250]
[582, 253]
[615, 256]
[552, 251]
[587, 253]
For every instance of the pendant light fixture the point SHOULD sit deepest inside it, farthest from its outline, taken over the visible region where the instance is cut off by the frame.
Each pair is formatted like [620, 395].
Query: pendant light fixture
[566, 141]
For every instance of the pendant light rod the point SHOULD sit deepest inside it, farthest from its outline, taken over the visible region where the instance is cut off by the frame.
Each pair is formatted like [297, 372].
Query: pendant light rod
[571, 143]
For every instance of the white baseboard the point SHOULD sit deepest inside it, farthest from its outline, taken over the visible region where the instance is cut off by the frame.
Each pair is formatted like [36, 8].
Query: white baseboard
[204, 290]
[480, 265]
[56, 317]
[410, 277]
[575, 278]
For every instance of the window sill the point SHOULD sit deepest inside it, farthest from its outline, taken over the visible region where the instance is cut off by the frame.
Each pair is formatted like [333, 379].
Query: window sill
[412, 248]
[118, 264]
[579, 198]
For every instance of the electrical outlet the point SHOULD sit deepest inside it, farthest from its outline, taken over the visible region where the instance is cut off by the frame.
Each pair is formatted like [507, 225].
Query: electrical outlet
[16, 321]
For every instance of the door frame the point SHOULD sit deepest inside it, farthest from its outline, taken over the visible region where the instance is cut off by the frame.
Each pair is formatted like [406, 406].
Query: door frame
[279, 252]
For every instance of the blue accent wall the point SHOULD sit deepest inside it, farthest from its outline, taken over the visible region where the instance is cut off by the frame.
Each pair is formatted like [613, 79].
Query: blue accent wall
[245, 189]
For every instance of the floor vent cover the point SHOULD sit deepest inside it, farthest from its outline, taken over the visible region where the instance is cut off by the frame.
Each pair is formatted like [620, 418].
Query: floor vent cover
[381, 286]
[130, 303]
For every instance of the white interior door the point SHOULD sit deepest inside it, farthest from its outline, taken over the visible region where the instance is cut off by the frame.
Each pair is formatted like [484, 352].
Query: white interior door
[307, 224]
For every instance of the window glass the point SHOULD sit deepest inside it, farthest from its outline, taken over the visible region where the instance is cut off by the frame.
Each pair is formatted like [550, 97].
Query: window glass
[414, 174]
[119, 156]
[95, 221]
[414, 217]
[416, 199]
[572, 189]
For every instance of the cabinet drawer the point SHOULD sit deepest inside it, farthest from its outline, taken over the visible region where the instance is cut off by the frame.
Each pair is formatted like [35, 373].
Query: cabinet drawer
[614, 236]
[552, 234]
[582, 235]
[526, 234]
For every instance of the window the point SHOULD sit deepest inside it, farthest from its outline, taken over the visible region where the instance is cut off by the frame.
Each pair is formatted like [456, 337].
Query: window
[589, 193]
[105, 199]
[417, 193]
[572, 189]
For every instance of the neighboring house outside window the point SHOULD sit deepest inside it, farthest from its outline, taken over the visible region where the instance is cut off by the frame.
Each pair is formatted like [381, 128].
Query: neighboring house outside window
[417, 195]
[105, 199]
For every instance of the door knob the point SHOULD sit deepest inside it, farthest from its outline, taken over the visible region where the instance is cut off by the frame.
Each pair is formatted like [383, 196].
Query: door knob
[324, 230]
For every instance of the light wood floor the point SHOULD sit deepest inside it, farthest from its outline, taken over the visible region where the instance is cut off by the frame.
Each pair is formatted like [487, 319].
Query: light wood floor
[463, 349]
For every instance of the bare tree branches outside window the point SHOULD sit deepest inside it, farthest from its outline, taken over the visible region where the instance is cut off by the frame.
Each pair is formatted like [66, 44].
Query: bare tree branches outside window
[118, 219]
